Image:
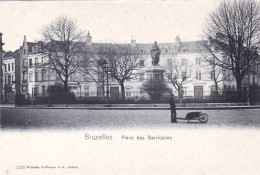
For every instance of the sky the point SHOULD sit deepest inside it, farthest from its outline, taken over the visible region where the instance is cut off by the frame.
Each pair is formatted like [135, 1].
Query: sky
[108, 21]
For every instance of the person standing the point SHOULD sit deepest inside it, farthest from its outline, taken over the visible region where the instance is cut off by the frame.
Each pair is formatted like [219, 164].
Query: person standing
[173, 109]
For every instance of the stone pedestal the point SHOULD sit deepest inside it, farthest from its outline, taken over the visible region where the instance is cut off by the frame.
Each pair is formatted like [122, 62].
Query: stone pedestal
[155, 72]
[155, 85]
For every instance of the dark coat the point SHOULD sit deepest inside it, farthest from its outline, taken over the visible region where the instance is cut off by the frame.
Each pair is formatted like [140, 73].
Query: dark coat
[171, 102]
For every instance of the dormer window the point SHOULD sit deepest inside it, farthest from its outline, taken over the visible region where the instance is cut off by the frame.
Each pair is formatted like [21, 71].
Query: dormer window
[166, 50]
[142, 51]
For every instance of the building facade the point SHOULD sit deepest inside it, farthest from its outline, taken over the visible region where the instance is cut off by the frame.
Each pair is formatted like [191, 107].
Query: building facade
[8, 76]
[200, 84]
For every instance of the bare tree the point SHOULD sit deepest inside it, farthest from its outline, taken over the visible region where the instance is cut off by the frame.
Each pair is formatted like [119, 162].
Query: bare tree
[122, 60]
[233, 31]
[97, 68]
[64, 46]
[217, 74]
[178, 74]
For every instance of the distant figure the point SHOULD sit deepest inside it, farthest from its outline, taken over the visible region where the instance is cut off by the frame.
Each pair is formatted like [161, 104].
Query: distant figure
[173, 109]
[155, 53]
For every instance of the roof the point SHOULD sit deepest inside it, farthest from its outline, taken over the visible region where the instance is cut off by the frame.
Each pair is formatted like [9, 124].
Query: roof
[10, 54]
[171, 48]
[190, 46]
[32, 45]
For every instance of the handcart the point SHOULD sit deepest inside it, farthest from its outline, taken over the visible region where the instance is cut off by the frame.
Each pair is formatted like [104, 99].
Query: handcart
[202, 117]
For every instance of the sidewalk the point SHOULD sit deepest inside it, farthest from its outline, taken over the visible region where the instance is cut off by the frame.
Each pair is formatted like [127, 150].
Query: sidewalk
[197, 106]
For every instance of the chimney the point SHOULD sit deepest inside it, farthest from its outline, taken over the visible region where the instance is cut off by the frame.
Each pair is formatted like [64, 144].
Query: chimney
[89, 39]
[177, 41]
[133, 42]
[1, 42]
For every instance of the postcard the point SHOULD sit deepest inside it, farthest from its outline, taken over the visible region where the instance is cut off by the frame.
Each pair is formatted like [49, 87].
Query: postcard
[130, 87]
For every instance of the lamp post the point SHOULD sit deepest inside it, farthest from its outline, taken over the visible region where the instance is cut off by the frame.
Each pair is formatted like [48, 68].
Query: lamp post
[106, 71]
[79, 85]
[107, 84]
[105, 68]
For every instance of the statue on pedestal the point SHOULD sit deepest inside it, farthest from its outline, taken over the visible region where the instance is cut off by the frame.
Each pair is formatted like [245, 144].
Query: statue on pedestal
[155, 53]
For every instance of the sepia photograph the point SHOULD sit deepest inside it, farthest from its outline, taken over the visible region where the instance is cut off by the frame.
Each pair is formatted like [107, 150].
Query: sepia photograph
[130, 87]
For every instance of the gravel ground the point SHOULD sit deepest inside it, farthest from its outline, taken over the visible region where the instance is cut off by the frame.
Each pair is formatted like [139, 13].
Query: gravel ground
[14, 118]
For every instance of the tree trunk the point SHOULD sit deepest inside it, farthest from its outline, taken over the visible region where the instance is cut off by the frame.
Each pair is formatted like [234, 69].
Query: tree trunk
[66, 89]
[239, 88]
[122, 90]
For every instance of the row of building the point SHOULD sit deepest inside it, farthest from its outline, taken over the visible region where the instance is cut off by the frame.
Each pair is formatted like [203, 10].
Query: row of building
[34, 79]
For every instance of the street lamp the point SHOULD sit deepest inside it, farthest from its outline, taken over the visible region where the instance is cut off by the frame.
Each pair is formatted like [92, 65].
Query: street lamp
[106, 70]
[79, 85]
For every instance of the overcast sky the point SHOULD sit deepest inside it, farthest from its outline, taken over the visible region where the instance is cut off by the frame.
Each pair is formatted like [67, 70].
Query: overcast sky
[108, 21]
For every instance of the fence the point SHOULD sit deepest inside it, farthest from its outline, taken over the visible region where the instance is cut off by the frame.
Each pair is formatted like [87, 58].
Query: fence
[227, 96]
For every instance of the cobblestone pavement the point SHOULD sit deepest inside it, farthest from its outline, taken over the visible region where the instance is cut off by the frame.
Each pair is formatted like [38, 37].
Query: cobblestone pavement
[15, 118]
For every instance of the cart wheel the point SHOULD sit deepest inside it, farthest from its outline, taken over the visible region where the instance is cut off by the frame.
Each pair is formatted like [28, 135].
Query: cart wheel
[203, 118]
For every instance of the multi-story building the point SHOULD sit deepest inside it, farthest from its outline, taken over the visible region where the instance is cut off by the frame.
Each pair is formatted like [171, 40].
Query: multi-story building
[9, 75]
[36, 78]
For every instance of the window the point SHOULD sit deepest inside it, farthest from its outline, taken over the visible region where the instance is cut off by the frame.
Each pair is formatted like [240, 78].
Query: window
[184, 75]
[34, 91]
[42, 59]
[30, 62]
[128, 92]
[5, 79]
[36, 76]
[5, 68]
[12, 78]
[166, 50]
[24, 51]
[12, 66]
[212, 75]
[198, 61]
[141, 77]
[30, 76]
[142, 51]
[24, 76]
[169, 62]
[183, 62]
[141, 63]
[86, 91]
[212, 90]
[44, 78]
[99, 91]
[43, 90]
[25, 62]
[9, 67]
[100, 78]
[36, 61]
[9, 79]
[198, 75]
[184, 90]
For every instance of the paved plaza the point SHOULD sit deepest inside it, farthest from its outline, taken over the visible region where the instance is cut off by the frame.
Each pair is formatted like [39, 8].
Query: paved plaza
[17, 118]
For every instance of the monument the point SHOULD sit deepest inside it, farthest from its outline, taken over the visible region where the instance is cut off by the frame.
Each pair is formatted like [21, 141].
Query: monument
[155, 85]
[155, 72]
